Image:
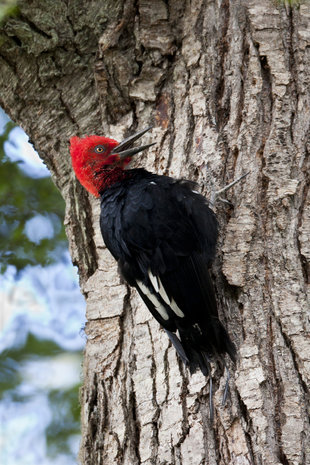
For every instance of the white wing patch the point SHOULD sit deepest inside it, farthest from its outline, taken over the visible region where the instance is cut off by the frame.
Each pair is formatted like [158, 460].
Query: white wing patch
[176, 308]
[163, 293]
[154, 281]
[158, 306]
[159, 288]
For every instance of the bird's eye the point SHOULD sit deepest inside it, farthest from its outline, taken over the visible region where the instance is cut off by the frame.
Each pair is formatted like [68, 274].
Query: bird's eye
[99, 149]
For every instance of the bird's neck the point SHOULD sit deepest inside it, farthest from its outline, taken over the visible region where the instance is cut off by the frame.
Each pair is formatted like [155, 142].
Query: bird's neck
[106, 178]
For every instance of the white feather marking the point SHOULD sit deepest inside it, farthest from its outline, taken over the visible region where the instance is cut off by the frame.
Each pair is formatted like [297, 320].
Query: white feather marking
[176, 308]
[163, 292]
[158, 287]
[154, 183]
[158, 306]
[153, 280]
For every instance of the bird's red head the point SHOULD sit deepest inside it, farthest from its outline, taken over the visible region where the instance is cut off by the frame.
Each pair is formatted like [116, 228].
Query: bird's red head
[99, 162]
[92, 158]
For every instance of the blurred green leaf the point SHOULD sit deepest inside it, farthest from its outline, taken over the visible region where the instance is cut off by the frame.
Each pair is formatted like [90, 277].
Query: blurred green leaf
[11, 359]
[8, 8]
[291, 3]
[33, 347]
[21, 199]
[65, 421]
[10, 374]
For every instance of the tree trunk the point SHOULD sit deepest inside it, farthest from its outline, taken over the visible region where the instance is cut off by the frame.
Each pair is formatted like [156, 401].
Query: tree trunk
[226, 86]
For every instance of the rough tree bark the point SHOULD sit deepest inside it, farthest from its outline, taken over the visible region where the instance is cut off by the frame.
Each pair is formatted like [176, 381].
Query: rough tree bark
[226, 85]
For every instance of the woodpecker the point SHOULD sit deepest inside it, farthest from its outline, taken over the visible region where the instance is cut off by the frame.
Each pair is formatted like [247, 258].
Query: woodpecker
[163, 235]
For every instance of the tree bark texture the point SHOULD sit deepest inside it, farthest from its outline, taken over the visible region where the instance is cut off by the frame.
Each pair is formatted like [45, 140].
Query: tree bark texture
[226, 85]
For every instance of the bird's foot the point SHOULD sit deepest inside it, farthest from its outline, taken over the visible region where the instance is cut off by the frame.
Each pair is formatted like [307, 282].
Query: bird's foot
[226, 389]
[216, 195]
[211, 408]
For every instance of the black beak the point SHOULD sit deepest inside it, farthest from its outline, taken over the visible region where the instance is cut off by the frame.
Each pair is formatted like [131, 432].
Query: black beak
[124, 149]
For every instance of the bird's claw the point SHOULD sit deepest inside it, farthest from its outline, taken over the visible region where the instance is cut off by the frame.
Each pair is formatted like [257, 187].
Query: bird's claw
[216, 195]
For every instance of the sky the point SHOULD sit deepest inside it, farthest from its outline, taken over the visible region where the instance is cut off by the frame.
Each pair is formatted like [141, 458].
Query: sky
[18, 148]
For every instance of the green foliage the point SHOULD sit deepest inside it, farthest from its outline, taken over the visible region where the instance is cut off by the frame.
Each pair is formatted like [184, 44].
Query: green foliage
[8, 8]
[11, 360]
[291, 3]
[62, 427]
[22, 198]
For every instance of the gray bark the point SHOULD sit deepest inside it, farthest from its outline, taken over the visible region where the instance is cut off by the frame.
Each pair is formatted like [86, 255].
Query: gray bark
[226, 85]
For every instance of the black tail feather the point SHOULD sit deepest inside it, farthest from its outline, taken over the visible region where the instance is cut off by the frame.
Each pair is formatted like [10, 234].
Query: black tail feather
[200, 348]
[178, 346]
[196, 355]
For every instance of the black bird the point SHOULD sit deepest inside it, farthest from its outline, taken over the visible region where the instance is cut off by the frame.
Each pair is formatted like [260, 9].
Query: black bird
[163, 235]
